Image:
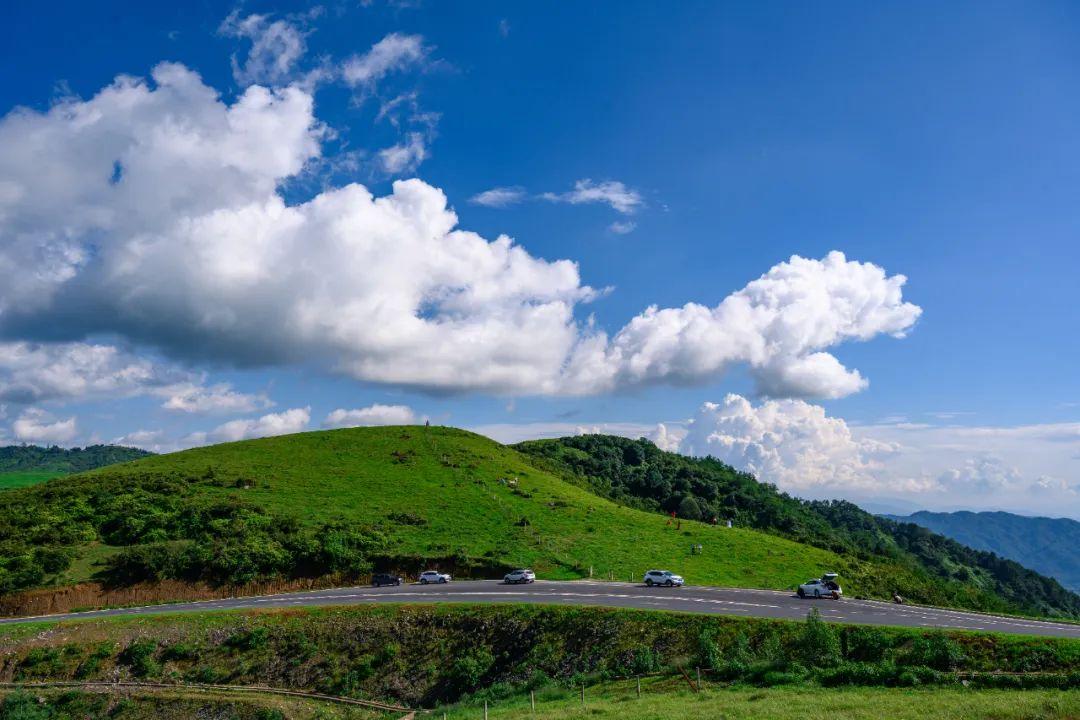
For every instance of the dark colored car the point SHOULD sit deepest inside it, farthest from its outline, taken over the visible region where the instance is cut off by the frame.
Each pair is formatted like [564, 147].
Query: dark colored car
[380, 579]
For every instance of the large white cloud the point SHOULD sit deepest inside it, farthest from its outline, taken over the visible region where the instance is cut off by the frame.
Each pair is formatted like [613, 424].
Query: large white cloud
[778, 325]
[372, 415]
[283, 423]
[38, 372]
[152, 212]
[789, 443]
[75, 371]
[37, 426]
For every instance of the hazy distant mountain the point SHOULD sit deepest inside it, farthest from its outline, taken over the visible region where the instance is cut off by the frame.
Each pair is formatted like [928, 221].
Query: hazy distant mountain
[1047, 545]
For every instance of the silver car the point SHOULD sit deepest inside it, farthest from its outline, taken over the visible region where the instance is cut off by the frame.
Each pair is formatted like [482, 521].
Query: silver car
[433, 576]
[521, 575]
[663, 577]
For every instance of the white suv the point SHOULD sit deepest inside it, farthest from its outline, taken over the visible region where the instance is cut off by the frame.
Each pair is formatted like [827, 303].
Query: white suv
[433, 576]
[519, 576]
[663, 577]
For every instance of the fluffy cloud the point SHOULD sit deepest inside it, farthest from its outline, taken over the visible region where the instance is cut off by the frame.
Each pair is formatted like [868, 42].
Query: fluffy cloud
[622, 227]
[405, 156]
[276, 47]
[151, 212]
[283, 423]
[982, 474]
[37, 426]
[499, 197]
[777, 325]
[369, 416]
[610, 192]
[219, 398]
[65, 372]
[37, 372]
[394, 53]
[789, 443]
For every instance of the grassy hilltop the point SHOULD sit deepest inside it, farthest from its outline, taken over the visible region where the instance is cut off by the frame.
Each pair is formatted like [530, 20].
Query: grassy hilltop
[340, 501]
[338, 504]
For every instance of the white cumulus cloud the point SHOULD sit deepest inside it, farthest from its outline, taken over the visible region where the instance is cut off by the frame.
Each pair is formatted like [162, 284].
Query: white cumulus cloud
[405, 156]
[151, 212]
[369, 416]
[789, 443]
[778, 325]
[219, 398]
[38, 426]
[283, 423]
[37, 372]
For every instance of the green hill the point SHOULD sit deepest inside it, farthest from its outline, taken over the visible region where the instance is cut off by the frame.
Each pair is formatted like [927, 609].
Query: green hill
[343, 501]
[22, 465]
[340, 503]
[938, 569]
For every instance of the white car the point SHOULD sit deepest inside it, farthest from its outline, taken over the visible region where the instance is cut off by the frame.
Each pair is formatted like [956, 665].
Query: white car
[433, 576]
[521, 575]
[663, 577]
[825, 587]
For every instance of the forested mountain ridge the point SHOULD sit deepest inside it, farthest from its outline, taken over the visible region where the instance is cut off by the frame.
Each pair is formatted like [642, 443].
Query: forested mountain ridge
[14, 458]
[1048, 545]
[638, 474]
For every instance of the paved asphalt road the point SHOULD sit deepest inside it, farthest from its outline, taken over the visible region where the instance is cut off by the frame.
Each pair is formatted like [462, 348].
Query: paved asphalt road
[720, 601]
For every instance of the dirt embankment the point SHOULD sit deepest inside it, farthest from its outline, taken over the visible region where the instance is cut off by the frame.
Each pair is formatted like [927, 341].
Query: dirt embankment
[92, 595]
[89, 596]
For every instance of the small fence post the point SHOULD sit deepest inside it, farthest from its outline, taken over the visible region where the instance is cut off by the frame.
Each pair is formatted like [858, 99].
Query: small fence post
[583, 694]
[699, 676]
[639, 687]
[532, 700]
[485, 710]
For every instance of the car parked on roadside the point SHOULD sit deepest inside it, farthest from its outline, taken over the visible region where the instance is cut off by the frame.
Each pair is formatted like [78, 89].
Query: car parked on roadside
[433, 576]
[521, 575]
[663, 577]
[380, 579]
[826, 586]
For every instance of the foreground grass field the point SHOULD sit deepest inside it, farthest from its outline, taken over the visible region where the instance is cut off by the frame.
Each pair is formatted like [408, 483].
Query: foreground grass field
[661, 699]
[670, 699]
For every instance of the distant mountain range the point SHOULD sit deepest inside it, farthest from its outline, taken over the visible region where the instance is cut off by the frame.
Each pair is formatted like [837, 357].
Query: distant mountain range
[1048, 545]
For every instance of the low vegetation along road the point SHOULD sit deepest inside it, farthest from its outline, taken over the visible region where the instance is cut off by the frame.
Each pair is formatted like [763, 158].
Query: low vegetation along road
[722, 601]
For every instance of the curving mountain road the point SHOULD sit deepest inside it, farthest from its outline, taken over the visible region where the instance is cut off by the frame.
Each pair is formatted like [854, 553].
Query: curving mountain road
[713, 600]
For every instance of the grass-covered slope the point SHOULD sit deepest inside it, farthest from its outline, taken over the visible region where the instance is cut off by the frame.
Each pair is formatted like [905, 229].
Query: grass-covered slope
[23, 465]
[923, 565]
[340, 502]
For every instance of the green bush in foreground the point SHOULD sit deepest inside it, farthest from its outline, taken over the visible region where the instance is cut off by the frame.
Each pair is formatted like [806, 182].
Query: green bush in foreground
[424, 655]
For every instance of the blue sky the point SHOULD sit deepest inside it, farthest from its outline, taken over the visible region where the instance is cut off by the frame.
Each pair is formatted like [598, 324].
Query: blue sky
[717, 141]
